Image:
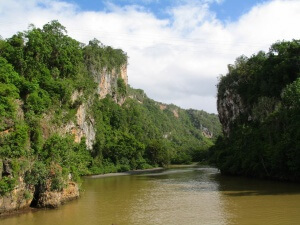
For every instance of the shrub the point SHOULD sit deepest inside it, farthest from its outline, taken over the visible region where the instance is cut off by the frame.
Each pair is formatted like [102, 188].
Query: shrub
[7, 184]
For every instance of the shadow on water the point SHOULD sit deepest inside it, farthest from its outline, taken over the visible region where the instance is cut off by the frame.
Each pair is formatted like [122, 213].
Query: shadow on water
[244, 186]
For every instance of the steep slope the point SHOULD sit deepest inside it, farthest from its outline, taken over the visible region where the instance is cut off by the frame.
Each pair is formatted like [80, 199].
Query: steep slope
[258, 105]
[66, 110]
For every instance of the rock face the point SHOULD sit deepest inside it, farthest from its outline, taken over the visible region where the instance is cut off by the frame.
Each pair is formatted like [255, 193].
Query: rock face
[230, 107]
[83, 125]
[206, 133]
[106, 85]
[107, 81]
[53, 199]
[23, 196]
[20, 198]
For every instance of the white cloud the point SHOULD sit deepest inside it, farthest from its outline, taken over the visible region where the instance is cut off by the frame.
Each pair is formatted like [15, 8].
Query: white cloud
[175, 60]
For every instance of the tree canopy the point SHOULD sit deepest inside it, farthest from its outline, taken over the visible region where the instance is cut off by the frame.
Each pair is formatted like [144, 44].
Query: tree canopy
[264, 139]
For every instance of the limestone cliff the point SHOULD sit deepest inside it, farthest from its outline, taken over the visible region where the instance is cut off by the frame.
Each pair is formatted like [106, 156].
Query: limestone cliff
[19, 198]
[106, 85]
[46, 101]
[107, 81]
[24, 195]
[53, 199]
[230, 106]
[82, 125]
[258, 105]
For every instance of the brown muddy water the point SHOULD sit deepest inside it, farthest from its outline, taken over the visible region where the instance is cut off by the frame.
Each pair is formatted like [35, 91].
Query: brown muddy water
[175, 196]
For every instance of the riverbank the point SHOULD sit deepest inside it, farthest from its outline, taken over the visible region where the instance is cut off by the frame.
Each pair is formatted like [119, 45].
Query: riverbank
[204, 197]
[137, 172]
[53, 200]
[131, 172]
[173, 166]
[17, 203]
[127, 173]
[18, 212]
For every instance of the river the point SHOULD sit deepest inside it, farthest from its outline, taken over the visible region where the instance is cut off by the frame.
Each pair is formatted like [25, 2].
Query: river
[175, 196]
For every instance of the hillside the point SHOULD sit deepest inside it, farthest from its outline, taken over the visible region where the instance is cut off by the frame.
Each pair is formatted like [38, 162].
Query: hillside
[258, 105]
[66, 110]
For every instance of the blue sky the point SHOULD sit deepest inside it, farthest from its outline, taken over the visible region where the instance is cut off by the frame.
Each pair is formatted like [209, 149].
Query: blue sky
[225, 10]
[177, 48]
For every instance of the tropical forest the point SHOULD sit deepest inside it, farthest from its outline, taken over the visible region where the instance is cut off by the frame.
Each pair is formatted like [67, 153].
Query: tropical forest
[76, 136]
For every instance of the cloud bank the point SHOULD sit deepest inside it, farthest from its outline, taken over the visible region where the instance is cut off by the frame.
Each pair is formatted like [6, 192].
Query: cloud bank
[176, 59]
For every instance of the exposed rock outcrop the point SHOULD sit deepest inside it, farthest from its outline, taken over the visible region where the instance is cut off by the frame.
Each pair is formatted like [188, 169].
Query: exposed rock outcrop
[20, 198]
[84, 127]
[107, 81]
[39, 109]
[6, 165]
[206, 133]
[175, 113]
[53, 199]
[24, 195]
[106, 85]
[162, 106]
[230, 106]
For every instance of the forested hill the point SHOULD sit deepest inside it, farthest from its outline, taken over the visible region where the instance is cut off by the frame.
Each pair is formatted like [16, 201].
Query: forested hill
[66, 110]
[259, 108]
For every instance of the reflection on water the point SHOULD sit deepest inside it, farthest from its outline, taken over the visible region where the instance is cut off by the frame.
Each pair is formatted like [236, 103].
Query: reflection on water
[252, 201]
[179, 197]
[176, 196]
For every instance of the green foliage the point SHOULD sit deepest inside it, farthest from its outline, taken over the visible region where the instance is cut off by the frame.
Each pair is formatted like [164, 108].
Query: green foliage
[123, 148]
[157, 153]
[58, 177]
[45, 76]
[98, 57]
[37, 175]
[263, 74]
[14, 143]
[50, 62]
[169, 135]
[35, 131]
[202, 120]
[264, 139]
[181, 157]
[59, 157]
[10, 81]
[8, 94]
[38, 101]
[291, 95]
[122, 90]
[7, 184]
[27, 195]
[63, 151]
[8, 75]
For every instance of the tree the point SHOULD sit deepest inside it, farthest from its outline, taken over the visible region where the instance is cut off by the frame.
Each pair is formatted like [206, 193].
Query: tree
[157, 153]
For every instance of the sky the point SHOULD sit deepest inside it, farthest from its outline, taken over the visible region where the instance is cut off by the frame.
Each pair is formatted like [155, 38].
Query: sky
[177, 48]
